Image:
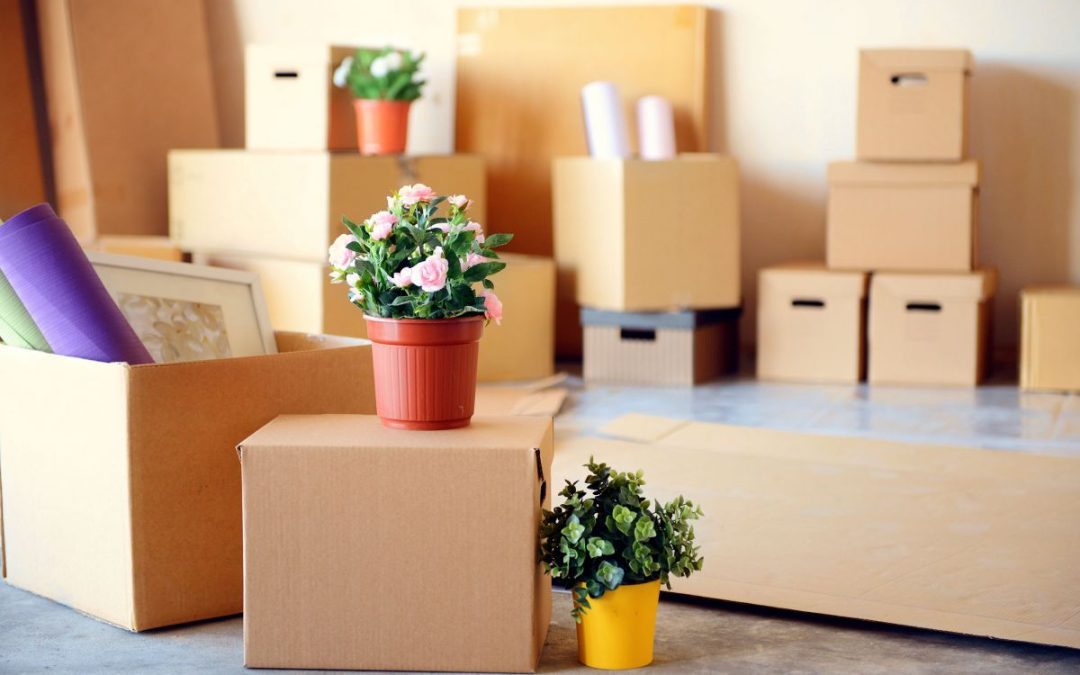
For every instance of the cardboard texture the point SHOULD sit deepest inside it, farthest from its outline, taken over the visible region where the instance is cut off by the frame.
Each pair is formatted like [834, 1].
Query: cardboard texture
[948, 538]
[514, 113]
[918, 217]
[290, 101]
[604, 247]
[670, 348]
[1050, 338]
[930, 328]
[811, 324]
[344, 570]
[121, 491]
[290, 204]
[913, 104]
[158, 248]
[22, 173]
[114, 113]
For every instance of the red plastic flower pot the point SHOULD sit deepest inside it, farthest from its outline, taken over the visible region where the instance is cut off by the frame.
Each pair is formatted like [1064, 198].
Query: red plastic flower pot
[425, 370]
[382, 127]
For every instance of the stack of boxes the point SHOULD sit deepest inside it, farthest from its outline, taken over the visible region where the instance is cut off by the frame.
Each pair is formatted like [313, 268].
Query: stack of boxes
[653, 251]
[902, 229]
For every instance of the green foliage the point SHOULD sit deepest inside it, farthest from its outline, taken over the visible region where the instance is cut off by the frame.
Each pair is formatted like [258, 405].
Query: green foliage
[388, 74]
[608, 534]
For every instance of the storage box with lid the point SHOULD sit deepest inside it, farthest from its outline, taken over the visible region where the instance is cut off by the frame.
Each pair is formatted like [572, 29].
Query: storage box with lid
[1050, 338]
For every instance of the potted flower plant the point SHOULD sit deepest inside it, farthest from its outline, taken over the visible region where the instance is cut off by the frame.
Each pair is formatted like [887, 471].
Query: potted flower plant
[421, 277]
[384, 83]
[613, 548]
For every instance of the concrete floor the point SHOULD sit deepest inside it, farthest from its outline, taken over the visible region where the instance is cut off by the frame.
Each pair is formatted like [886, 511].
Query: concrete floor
[37, 635]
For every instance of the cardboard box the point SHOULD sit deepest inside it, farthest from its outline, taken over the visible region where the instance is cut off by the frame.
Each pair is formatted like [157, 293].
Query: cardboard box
[290, 101]
[158, 248]
[23, 128]
[918, 217]
[913, 104]
[367, 548]
[124, 85]
[665, 348]
[121, 491]
[620, 223]
[930, 328]
[1050, 338]
[290, 204]
[811, 324]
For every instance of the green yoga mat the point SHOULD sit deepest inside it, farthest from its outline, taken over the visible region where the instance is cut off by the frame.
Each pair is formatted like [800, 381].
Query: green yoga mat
[16, 327]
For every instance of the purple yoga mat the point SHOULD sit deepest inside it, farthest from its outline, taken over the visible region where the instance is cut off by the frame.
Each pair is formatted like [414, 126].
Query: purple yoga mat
[61, 291]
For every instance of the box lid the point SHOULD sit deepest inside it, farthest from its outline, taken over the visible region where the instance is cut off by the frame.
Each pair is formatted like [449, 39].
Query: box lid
[904, 173]
[919, 59]
[298, 54]
[687, 319]
[813, 279]
[978, 285]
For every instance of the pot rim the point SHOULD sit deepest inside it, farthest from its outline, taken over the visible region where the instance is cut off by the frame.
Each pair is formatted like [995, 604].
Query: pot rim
[461, 319]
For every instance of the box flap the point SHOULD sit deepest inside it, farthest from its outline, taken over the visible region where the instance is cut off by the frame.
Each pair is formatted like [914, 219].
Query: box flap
[904, 173]
[916, 60]
[978, 285]
[812, 281]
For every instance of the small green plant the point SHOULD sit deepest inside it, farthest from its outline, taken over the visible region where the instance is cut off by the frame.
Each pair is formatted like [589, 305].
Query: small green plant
[388, 74]
[608, 535]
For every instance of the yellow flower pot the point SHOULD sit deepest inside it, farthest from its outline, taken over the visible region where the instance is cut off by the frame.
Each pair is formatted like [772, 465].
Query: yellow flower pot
[617, 632]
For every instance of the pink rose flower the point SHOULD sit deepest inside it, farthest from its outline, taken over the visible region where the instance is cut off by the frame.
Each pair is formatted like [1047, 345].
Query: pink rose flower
[340, 255]
[472, 260]
[473, 226]
[430, 274]
[459, 201]
[493, 308]
[413, 194]
[403, 278]
[381, 225]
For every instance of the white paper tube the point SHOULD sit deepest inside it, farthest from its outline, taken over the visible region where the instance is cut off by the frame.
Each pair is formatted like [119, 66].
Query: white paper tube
[605, 123]
[656, 128]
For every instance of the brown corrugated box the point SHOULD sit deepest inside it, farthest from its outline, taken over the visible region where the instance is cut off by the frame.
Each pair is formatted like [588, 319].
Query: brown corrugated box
[124, 85]
[1050, 338]
[913, 104]
[121, 491]
[290, 102]
[374, 549]
[662, 348]
[811, 324]
[919, 217]
[930, 328]
[290, 204]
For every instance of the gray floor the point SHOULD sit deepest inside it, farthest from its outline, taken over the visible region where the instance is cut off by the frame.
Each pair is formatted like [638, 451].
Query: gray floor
[37, 635]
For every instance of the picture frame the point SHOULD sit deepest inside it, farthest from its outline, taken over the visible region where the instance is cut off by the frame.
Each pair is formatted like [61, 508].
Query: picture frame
[187, 312]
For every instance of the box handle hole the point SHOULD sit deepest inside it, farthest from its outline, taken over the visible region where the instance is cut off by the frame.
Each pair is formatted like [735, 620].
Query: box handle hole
[642, 334]
[808, 302]
[908, 79]
[924, 307]
[286, 74]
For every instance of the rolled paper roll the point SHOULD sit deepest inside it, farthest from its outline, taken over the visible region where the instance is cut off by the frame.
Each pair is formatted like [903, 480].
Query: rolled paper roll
[16, 327]
[61, 291]
[605, 121]
[656, 128]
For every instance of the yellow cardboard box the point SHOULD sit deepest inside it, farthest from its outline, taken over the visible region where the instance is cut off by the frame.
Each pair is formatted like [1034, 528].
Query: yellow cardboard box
[1050, 338]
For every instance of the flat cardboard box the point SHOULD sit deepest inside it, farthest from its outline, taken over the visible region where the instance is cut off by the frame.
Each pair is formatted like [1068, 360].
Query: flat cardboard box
[290, 204]
[811, 324]
[913, 104]
[930, 328]
[158, 248]
[124, 85]
[959, 539]
[518, 97]
[660, 348]
[121, 491]
[915, 217]
[290, 101]
[22, 129]
[374, 549]
[1050, 338]
[619, 223]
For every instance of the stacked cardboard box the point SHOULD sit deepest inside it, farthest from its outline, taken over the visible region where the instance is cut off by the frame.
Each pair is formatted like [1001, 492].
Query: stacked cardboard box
[649, 238]
[906, 212]
[1050, 338]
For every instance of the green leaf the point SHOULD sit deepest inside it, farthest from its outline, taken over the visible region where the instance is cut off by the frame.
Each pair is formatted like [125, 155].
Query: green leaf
[478, 272]
[644, 529]
[488, 284]
[497, 240]
[598, 547]
[609, 574]
[573, 530]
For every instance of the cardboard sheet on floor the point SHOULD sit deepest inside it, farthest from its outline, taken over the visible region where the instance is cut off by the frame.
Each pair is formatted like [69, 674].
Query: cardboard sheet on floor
[540, 397]
[950, 538]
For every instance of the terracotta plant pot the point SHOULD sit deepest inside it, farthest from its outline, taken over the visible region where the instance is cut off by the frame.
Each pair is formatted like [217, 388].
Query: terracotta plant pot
[618, 630]
[382, 127]
[425, 370]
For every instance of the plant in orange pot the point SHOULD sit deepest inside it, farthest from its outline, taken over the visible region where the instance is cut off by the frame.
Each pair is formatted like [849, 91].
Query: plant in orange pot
[384, 83]
[420, 272]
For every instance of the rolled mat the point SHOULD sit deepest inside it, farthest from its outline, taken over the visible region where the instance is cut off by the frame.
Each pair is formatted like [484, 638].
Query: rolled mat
[16, 327]
[61, 292]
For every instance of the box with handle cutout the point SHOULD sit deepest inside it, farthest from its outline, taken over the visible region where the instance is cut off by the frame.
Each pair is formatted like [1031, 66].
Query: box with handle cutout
[810, 324]
[660, 348]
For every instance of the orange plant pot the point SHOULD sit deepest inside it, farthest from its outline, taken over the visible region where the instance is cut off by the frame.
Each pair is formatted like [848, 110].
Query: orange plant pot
[425, 371]
[382, 127]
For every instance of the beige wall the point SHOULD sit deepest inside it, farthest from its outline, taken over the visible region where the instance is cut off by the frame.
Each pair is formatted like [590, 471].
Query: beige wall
[785, 106]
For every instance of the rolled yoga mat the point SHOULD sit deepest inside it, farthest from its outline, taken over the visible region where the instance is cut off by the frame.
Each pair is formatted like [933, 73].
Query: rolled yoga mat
[16, 327]
[61, 291]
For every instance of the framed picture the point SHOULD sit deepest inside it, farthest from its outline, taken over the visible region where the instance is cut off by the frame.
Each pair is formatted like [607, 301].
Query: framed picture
[185, 312]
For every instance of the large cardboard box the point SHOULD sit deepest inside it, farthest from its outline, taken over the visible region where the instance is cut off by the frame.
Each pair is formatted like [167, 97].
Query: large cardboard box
[639, 236]
[290, 204]
[913, 104]
[374, 549]
[121, 491]
[124, 85]
[290, 101]
[811, 324]
[930, 328]
[919, 217]
[1050, 338]
[661, 348]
